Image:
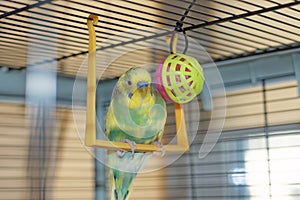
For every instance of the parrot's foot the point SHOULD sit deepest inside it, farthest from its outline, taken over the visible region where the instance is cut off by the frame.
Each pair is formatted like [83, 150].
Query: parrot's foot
[132, 145]
[160, 145]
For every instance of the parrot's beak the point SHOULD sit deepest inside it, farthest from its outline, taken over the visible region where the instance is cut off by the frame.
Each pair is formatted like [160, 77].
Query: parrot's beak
[142, 88]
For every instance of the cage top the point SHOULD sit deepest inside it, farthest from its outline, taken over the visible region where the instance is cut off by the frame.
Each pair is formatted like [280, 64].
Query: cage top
[39, 32]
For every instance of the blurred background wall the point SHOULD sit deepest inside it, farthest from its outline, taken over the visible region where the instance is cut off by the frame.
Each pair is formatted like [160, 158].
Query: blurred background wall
[256, 155]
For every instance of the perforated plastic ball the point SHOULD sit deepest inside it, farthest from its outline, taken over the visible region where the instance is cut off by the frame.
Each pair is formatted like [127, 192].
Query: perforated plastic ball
[158, 81]
[179, 78]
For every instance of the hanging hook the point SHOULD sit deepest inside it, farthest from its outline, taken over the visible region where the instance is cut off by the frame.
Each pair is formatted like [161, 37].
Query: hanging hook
[173, 42]
[178, 28]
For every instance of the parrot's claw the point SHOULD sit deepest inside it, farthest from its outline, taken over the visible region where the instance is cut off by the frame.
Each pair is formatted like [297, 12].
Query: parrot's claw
[132, 145]
[160, 145]
[120, 153]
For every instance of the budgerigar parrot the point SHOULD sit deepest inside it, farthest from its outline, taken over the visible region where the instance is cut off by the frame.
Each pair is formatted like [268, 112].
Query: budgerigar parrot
[136, 115]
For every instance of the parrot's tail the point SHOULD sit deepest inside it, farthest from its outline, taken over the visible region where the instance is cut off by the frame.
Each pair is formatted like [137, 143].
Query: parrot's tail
[121, 184]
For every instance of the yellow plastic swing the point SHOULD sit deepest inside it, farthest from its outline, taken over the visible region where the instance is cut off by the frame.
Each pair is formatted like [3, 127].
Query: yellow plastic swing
[90, 130]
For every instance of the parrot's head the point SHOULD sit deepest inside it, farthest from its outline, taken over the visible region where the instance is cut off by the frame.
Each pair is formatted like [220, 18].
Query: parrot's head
[136, 85]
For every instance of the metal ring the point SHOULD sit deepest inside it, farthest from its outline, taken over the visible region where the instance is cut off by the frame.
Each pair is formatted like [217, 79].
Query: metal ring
[185, 39]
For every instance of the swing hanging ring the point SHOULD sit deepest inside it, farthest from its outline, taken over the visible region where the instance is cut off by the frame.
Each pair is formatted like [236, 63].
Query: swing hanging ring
[172, 41]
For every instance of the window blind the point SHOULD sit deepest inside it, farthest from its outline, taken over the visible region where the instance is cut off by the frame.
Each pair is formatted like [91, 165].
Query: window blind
[74, 172]
[255, 157]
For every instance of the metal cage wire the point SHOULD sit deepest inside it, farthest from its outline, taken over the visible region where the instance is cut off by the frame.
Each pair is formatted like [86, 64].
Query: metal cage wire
[227, 30]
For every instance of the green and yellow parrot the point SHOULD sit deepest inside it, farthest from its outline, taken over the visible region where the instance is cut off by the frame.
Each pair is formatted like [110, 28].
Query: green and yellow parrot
[136, 115]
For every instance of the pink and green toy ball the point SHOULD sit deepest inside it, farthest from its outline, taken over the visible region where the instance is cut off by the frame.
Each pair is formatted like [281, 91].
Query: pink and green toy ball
[179, 78]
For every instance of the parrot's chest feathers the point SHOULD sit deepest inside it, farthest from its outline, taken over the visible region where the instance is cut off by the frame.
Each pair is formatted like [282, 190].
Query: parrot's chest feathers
[139, 102]
[141, 114]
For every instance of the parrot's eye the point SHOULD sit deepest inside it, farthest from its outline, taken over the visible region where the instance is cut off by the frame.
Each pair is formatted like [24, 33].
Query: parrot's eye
[129, 82]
